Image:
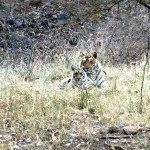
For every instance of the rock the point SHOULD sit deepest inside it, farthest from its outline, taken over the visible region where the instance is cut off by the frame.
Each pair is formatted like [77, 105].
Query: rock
[124, 141]
[114, 141]
[51, 46]
[131, 130]
[54, 17]
[68, 144]
[20, 141]
[38, 144]
[28, 140]
[13, 134]
[73, 134]
[115, 129]
[15, 147]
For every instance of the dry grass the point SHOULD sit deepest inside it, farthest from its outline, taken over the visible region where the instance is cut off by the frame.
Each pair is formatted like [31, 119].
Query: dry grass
[39, 104]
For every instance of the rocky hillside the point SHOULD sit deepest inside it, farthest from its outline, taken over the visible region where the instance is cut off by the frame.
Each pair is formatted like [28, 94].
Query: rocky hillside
[48, 30]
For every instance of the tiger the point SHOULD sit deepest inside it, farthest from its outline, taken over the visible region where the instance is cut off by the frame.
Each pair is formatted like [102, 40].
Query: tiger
[79, 79]
[93, 69]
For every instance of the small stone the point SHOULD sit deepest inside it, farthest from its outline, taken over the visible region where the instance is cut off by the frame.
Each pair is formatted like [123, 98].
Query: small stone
[28, 140]
[73, 134]
[13, 134]
[38, 144]
[54, 17]
[15, 147]
[68, 144]
[51, 46]
[124, 141]
[131, 130]
[114, 141]
[113, 130]
[20, 140]
[82, 143]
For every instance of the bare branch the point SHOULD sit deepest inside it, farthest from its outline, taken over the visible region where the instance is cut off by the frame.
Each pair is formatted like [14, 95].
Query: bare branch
[144, 69]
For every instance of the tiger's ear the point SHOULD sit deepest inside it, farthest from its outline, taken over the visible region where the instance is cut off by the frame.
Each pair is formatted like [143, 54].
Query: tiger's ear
[81, 54]
[72, 68]
[95, 55]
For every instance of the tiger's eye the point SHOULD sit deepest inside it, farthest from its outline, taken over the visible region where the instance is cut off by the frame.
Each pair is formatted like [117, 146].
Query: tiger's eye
[91, 61]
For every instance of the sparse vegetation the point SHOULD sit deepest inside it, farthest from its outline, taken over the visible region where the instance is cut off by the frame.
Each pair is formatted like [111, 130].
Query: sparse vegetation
[38, 110]
[39, 42]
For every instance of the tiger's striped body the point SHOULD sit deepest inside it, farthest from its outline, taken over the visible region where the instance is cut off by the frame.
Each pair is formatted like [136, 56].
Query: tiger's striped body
[93, 69]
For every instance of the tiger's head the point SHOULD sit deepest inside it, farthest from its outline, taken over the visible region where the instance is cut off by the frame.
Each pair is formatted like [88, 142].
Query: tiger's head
[78, 75]
[79, 78]
[88, 62]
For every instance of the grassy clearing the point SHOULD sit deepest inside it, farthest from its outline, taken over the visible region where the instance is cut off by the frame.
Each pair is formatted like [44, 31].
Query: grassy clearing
[39, 104]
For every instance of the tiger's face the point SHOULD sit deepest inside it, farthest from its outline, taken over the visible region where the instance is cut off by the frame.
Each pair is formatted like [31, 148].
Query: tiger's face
[79, 75]
[88, 61]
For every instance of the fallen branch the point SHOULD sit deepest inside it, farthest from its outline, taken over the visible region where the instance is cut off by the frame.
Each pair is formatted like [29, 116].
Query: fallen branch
[115, 137]
[114, 146]
[145, 129]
